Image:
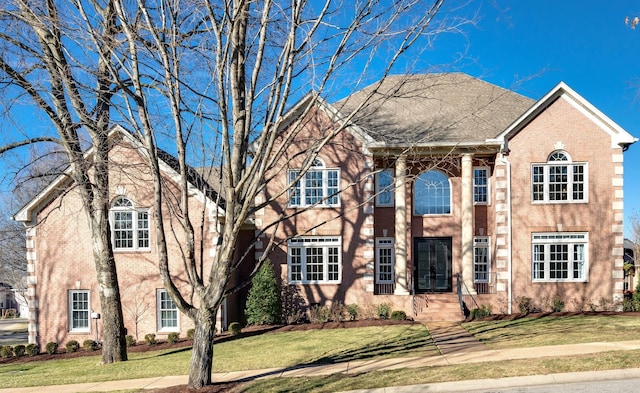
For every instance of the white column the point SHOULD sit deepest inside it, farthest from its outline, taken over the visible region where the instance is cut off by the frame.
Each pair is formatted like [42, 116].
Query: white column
[467, 221]
[401, 227]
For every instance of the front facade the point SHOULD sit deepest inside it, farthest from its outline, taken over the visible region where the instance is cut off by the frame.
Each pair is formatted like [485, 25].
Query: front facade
[450, 185]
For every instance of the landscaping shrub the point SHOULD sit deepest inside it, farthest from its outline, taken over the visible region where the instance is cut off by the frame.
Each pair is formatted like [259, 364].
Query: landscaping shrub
[19, 350]
[72, 346]
[90, 345]
[384, 311]
[318, 314]
[32, 349]
[525, 304]
[235, 328]
[6, 351]
[337, 312]
[173, 338]
[51, 348]
[190, 334]
[264, 302]
[352, 309]
[150, 339]
[557, 304]
[398, 315]
[481, 312]
[131, 341]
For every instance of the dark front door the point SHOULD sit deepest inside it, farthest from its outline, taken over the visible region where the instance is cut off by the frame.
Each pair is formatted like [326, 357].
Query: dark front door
[432, 264]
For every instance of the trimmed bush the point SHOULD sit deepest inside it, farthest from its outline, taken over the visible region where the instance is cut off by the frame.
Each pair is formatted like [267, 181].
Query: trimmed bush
[19, 350]
[32, 349]
[235, 328]
[481, 312]
[90, 345]
[352, 309]
[150, 339]
[319, 314]
[131, 341]
[190, 334]
[557, 304]
[6, 351]
[398, 315]
[525, 304]
[384, 311]
[173, 338]
[72, 346]
[264, 303]
[51, 348]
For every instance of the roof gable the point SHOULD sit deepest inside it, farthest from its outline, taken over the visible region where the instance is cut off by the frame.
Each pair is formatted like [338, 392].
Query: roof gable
[619, 137]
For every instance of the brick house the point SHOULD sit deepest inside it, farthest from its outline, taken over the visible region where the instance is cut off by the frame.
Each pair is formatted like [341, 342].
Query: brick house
[435, 186]
[443, 184]
[62, 287]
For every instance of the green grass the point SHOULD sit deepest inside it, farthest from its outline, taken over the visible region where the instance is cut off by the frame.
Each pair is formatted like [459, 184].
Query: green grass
[533, 332]
[256, 352]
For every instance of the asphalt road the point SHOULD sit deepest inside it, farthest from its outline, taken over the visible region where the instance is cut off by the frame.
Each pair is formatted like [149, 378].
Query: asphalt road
[13, 331]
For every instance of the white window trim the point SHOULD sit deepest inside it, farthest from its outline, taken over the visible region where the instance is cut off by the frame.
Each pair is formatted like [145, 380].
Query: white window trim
[390, 189]
[450, 213]
[569, 164]
[482, 242]
[324, 242]
[159, 310]
[550, 238]
[385, 243]
[488, 185]
[71, 310]
[326, 197]
[135, 228]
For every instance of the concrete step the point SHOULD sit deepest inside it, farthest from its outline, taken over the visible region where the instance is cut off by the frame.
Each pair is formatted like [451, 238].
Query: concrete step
[441, 307]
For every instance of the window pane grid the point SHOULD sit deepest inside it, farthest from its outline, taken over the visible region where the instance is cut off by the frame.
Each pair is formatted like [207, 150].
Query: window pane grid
[130, 227]
[559, 183]
[318, 186]
[79, 310]
[314, 259]
[480, 185]
[167, 311]
[562, 257]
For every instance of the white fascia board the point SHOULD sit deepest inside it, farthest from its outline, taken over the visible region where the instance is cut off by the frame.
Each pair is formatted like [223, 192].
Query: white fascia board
[619, 136]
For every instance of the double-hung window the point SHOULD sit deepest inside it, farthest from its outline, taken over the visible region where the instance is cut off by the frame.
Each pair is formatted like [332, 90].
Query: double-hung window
[314, 259]
[167, 312]
[481, 261]
[481, 185]
[384, 188]
[559, 180]
[384, 260]
[130, 226]
[560, 256]
[318, 186]
[79, 311]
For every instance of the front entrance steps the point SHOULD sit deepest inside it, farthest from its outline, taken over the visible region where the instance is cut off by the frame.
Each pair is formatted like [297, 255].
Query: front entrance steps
[452, 338]
[438, 307]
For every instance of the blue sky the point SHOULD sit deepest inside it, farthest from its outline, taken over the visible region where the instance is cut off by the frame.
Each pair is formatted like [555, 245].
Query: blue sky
[532, 45]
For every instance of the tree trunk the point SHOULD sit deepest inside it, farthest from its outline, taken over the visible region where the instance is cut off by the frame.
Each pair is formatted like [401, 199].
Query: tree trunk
[202, 354]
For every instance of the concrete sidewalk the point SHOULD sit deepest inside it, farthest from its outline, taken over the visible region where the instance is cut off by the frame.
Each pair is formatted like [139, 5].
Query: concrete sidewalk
[461, 349]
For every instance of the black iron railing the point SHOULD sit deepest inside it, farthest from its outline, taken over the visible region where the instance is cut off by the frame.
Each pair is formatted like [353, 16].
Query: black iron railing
[464, 297]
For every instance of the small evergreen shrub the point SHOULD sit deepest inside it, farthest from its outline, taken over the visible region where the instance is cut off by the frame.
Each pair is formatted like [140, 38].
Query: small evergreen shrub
[90, 345]
[32, 349]
[481, 312]
[398, 315]
[173, 338]
[6, 351]
[352, 309]
[264, 301]
[19, 350]
[235, 328]
[190, 334]
[384, 311]
[337, 312]
[51, 348]
[150, 339]
[318, 314]
[72, 346]
[131, 341]
[557, 304]
[525, 304]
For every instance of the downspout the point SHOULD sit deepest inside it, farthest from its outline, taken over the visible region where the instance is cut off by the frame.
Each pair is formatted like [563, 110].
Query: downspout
[507, 163]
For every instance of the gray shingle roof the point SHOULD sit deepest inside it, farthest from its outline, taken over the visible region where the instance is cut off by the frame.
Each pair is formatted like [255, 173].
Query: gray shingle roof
[429, 108]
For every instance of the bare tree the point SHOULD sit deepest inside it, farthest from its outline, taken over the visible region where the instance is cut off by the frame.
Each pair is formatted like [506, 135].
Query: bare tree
[43, 61]
[212, 82]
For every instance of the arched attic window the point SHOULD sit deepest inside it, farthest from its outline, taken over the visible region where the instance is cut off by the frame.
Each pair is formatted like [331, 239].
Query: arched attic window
[130, 226]
[432, 193]
[559, 179]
